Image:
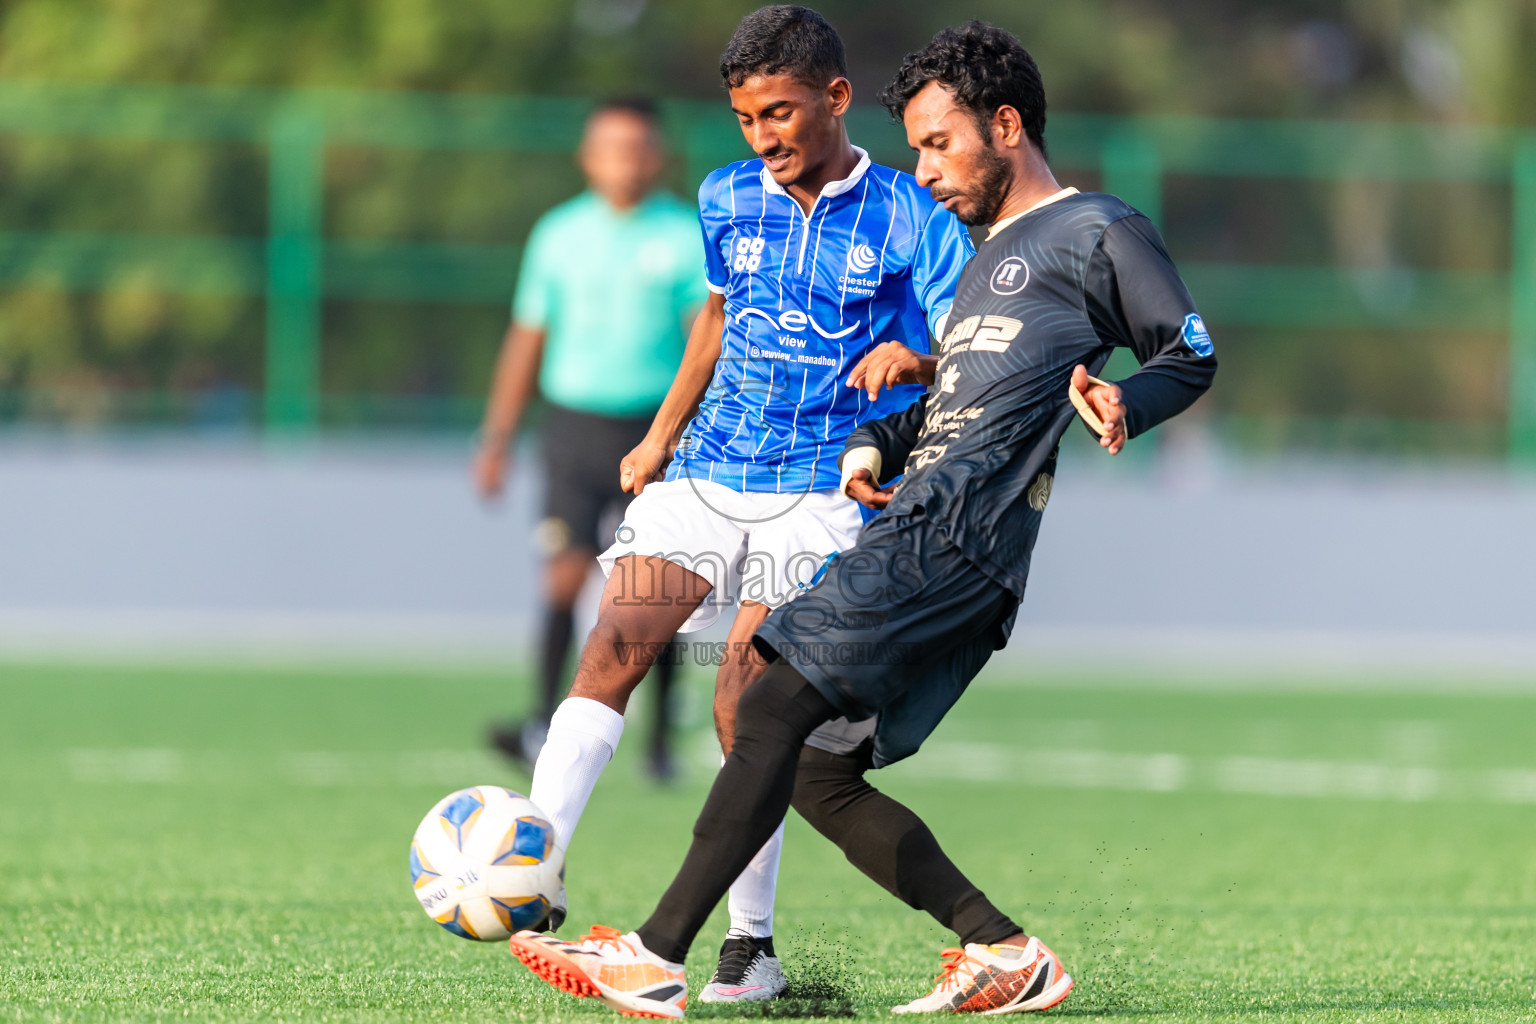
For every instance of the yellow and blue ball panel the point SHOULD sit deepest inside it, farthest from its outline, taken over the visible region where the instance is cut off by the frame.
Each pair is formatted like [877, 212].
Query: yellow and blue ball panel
[422, 872]
[458, 816]
[528, 842]
[518, 914]
[457, 923]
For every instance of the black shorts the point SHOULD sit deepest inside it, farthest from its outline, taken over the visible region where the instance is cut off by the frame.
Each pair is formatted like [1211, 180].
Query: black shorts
[896, 629]
[583, 504]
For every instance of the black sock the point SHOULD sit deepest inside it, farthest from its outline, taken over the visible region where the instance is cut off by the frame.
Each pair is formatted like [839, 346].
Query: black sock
[891, 845]
[555, 649]
[748, 800]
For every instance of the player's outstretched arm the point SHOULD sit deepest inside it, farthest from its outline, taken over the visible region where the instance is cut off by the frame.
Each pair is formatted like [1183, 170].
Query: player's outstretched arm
[891, 363]
[649, 460]
[517, 372]
[1135, 296]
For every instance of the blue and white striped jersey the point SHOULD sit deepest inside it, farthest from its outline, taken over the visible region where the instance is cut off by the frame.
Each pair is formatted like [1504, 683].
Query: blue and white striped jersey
[806, 296]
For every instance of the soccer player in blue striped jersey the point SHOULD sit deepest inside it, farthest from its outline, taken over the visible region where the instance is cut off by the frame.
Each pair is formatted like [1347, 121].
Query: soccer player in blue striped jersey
[814, 257]
[807, 292]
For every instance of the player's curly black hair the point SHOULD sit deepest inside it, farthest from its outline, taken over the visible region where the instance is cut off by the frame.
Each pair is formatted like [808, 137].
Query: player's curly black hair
[784, 38]
[985, 67]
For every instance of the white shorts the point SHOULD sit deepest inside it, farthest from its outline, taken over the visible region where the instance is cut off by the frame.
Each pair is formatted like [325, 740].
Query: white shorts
[750, 546]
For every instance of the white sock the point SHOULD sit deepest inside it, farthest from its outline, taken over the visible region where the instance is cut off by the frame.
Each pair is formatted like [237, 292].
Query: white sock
[583, 734]
[751, 899]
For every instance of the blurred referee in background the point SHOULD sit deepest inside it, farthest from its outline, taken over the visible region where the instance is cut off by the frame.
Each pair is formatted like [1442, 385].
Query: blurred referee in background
[610, 283]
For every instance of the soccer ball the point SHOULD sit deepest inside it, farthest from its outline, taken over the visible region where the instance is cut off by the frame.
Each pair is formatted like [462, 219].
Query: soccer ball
[484, 864]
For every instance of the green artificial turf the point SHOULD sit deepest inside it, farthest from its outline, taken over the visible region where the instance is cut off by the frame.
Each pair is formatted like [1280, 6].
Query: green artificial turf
[231, 844]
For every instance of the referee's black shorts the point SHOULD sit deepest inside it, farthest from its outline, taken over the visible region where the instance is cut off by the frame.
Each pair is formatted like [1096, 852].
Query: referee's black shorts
[583, 504]
[896, 629]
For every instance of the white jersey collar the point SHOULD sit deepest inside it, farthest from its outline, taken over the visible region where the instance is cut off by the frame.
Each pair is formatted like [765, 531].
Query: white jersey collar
[1047, 201]
[831, 188]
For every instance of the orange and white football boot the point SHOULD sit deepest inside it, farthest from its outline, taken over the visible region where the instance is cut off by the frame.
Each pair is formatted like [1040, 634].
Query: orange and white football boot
[995, 979]
[605, 965]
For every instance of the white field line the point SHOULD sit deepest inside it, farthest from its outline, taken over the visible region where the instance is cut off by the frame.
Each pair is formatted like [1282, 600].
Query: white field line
[148, 764]
[981, 763]
[449, 768]
[1164, 773]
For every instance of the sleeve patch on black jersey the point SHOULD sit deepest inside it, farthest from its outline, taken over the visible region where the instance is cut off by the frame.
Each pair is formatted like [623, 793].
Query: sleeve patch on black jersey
[1196, 336]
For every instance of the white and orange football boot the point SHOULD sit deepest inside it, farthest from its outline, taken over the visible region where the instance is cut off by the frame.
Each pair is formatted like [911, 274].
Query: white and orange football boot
[603, 964]
[995, 979]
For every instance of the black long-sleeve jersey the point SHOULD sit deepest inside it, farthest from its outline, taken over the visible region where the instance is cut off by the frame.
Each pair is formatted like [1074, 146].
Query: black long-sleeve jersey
[1061, 286]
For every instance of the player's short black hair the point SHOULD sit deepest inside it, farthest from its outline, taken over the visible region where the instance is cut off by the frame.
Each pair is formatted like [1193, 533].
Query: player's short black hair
[985, 68]
[639, 106]
[784, 38]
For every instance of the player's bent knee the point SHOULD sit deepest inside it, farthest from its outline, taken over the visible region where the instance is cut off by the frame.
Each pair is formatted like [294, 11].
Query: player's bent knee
[612, 666]
[730, 687]
[605, 645]
[826, 785]
[783, 703]
[810, 804]
[762, 706]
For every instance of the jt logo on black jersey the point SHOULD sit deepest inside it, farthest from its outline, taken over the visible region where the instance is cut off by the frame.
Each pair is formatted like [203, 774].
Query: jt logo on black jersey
[1010, 277]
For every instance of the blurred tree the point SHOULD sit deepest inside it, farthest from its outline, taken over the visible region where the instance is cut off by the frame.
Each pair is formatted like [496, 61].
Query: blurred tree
[1448, 60]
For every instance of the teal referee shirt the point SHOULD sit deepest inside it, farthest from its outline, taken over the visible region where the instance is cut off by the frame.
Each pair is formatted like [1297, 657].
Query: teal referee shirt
[614, 290]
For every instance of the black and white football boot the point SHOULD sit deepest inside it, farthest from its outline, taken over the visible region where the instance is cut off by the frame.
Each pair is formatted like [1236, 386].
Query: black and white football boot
[748, 972]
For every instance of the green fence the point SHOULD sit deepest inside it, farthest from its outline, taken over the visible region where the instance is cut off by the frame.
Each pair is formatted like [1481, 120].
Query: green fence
[296, 268]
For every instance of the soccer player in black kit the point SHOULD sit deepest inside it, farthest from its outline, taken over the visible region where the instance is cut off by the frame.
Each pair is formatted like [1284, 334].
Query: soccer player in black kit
[903, 621]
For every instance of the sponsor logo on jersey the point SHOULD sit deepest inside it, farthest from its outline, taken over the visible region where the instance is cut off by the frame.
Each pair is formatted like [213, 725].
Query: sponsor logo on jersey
[1010, 277]
[864, 286]
[949, 379]
[939, 420]
[749, 254]
[990, 333]
[793, 320]
[1196, 336]
[861, 259]
[928, 455]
